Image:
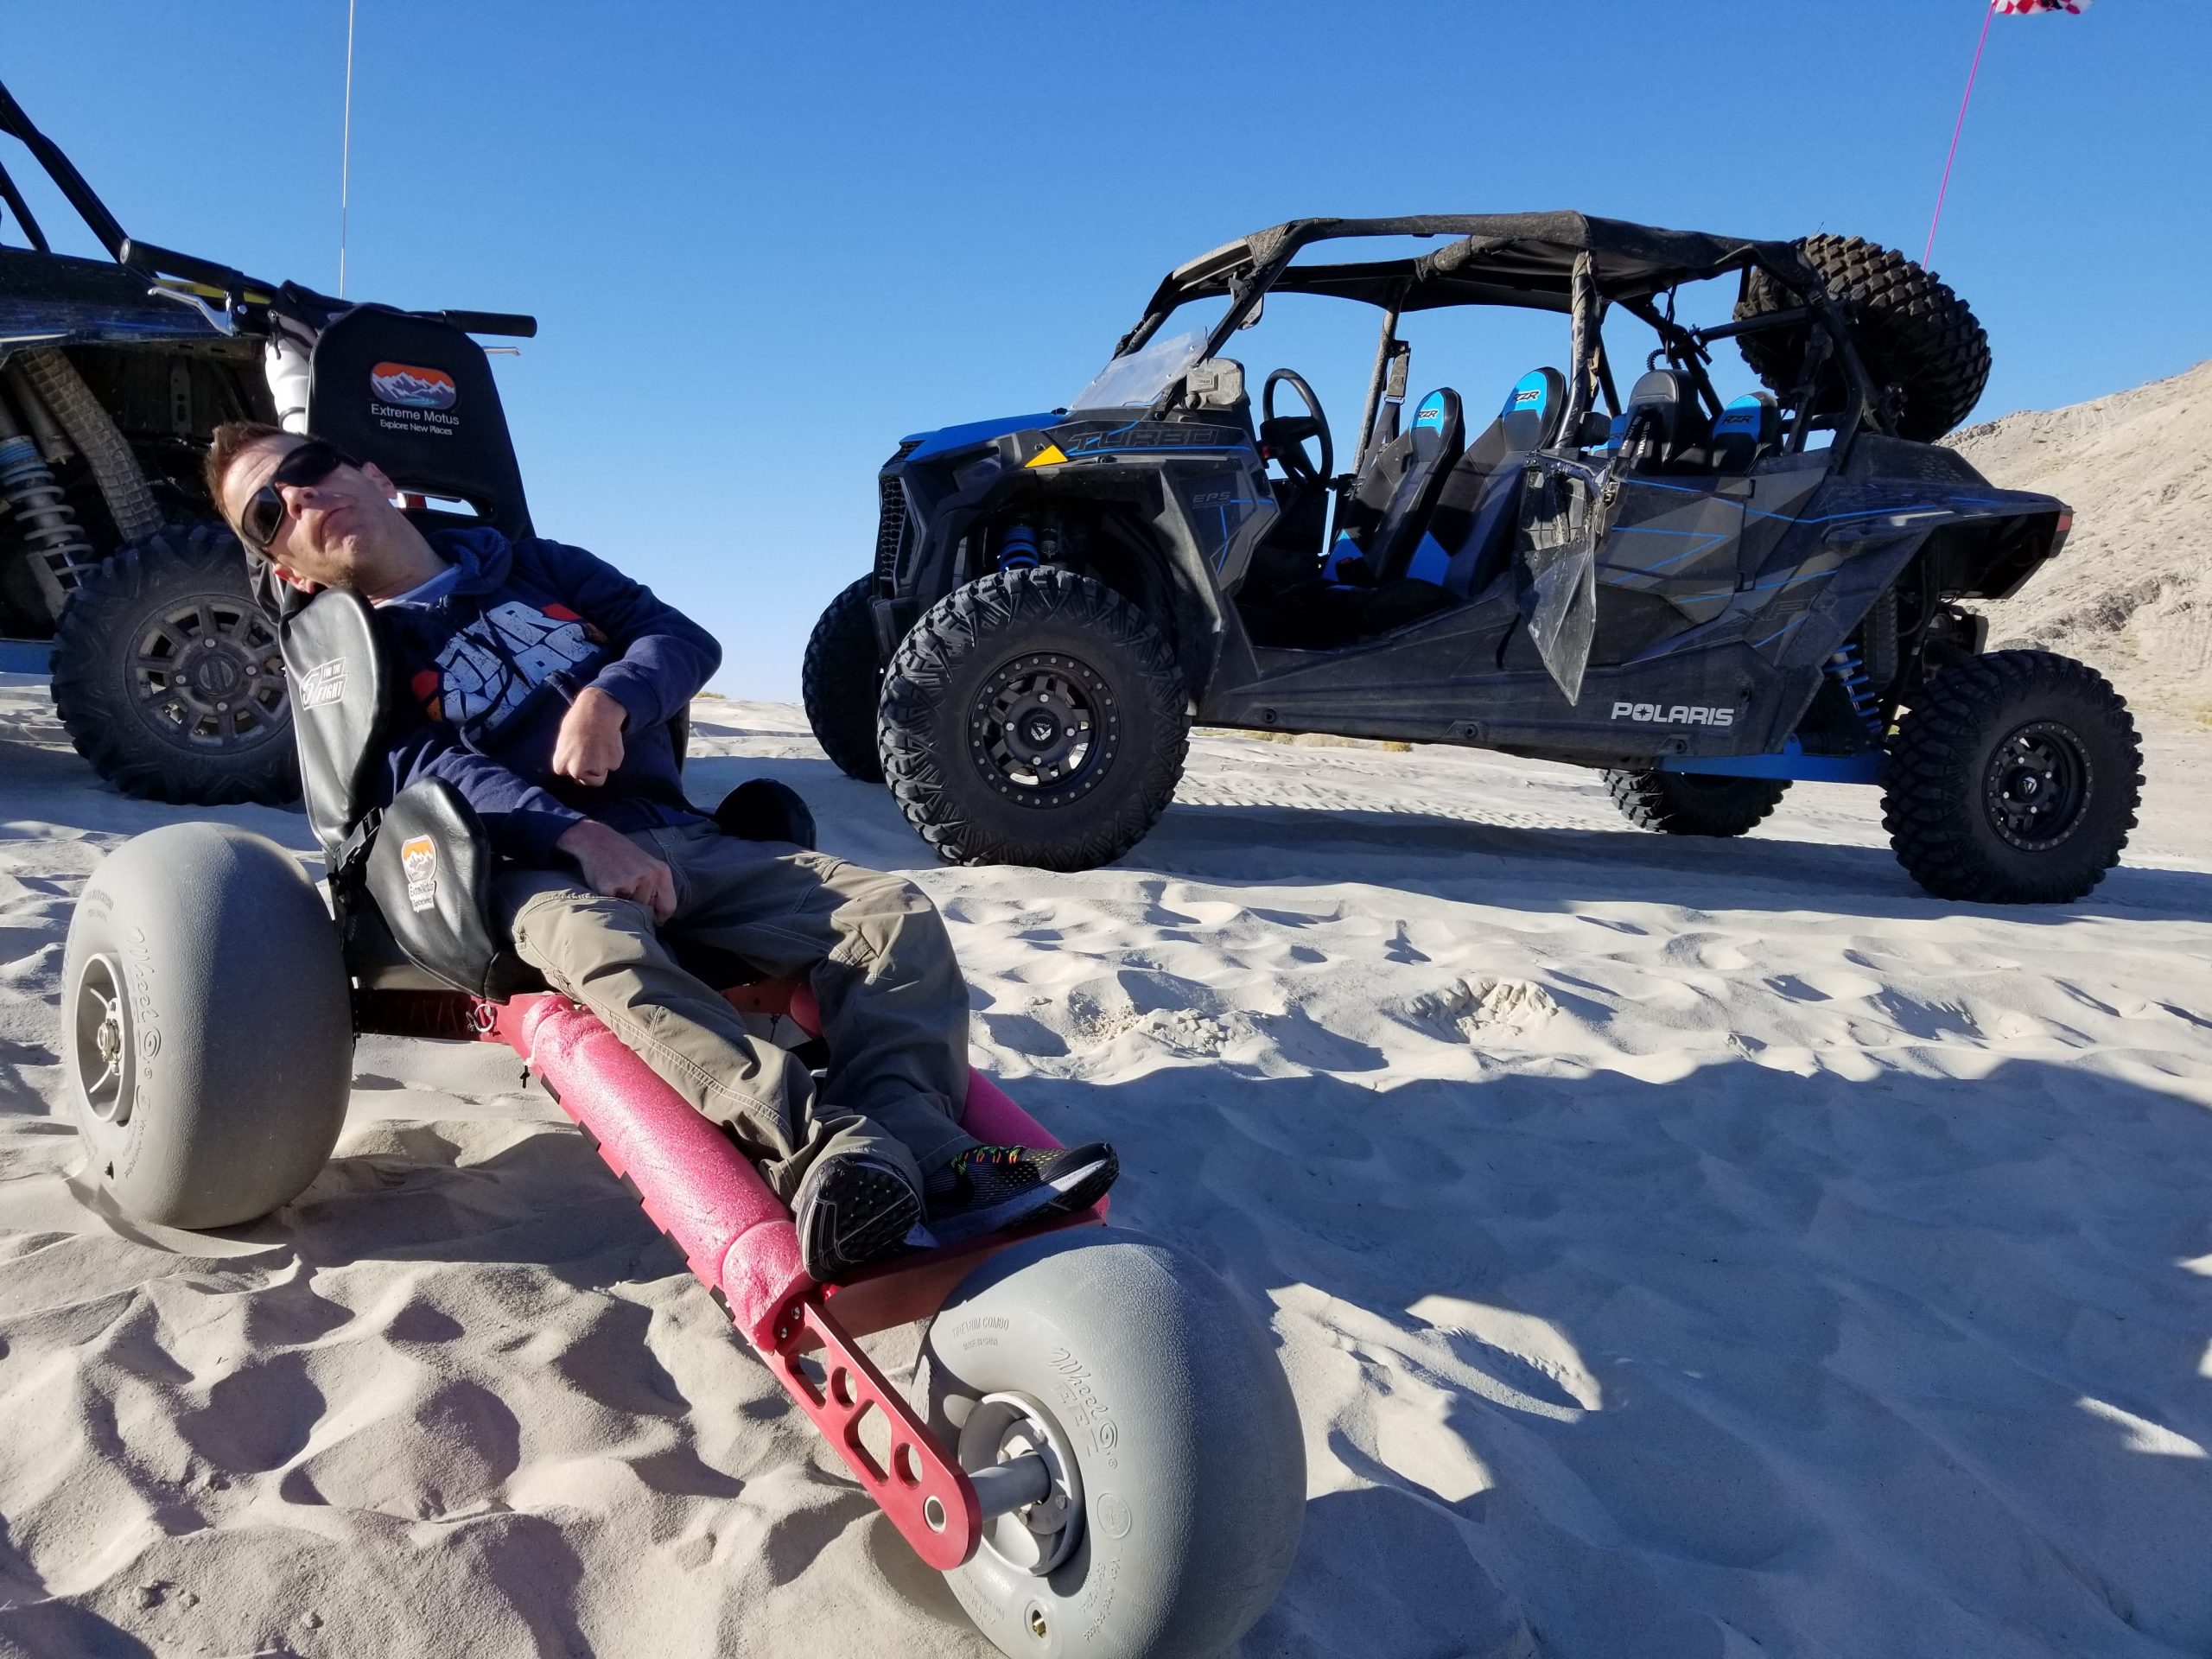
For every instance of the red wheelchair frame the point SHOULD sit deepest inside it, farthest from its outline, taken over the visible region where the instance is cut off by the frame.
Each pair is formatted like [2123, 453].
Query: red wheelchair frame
[739, 1240]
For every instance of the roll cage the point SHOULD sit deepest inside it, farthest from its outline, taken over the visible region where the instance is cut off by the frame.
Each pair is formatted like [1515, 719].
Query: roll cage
[1562, 262]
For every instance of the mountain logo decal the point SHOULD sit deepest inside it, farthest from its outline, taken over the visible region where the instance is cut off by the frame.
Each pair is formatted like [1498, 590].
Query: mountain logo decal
[411, 386]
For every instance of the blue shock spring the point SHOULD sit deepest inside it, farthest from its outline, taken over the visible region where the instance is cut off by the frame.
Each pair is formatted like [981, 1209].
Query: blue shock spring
[1850, 670]
[1018, 548]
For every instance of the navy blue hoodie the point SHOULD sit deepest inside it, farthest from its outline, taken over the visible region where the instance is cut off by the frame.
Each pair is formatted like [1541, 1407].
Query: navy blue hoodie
[489, 659]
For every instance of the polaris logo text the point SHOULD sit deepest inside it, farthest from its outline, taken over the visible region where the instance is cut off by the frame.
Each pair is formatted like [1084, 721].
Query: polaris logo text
[1681, 714]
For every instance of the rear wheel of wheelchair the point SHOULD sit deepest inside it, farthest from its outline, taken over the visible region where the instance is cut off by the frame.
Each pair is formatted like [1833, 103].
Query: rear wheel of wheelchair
[1033, 717]
[207, 1031]
[168, 677]
[1176, 1464]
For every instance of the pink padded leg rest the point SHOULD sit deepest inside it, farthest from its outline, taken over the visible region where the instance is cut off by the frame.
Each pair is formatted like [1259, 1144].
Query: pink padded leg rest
[700, 1190]
[736, 1235]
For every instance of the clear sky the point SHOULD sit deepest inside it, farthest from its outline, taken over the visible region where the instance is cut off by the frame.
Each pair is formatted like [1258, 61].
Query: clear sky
[763, 242]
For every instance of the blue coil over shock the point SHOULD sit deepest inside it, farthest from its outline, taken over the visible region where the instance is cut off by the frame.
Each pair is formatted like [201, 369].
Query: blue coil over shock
[1848, 665]
[1018, 548]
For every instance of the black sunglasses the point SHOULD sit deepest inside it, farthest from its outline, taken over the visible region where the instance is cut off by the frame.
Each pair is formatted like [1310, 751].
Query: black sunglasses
[310, 463]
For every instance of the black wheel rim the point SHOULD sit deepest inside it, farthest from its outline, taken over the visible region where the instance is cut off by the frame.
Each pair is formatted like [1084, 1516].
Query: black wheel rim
[104, 1041]
[207, 675]
[1043, 729]
[2037, 786]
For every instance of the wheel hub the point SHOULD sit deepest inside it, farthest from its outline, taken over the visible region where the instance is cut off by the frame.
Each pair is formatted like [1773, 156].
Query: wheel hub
[2036, 785]
[104, 1041]
[1036, 1537]
[1043, 729]
[207, 674]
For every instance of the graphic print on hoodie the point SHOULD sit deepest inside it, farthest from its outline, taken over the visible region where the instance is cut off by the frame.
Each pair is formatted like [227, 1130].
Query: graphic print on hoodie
[486, 671]
[493, 653]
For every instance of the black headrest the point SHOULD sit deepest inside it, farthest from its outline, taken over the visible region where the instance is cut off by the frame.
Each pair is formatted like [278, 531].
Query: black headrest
[336, 668]
[1747, 428]
[416, 396]
[1666, 397]
[1533, 410]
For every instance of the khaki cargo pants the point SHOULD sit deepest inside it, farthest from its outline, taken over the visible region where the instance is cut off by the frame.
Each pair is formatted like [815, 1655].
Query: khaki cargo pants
[894, 1006]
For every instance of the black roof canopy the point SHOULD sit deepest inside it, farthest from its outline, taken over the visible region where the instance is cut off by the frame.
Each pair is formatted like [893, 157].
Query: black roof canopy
[1524, 259]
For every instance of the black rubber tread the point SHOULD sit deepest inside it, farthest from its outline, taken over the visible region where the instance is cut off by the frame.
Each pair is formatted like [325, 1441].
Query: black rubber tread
[1913, 333]
[840, 681]
[94, 688]
[1686, 803]
[943, 664]
[1934, 807]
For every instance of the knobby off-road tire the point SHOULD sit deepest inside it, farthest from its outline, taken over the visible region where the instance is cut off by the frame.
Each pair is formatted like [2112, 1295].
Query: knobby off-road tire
[168, 678]
[1686, 803]
[1913, 333]
[1033, 717]
[842, 681]
[207, 1038]
[1150, 1374]
[2013, 779]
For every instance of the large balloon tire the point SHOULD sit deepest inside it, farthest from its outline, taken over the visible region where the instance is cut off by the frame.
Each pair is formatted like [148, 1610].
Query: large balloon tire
[1912, 332]
[166, 675]
[841, 680]
[1191, 1460]
[206, 1030]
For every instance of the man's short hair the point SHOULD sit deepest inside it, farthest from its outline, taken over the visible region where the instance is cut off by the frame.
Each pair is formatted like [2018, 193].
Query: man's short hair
[232, 440]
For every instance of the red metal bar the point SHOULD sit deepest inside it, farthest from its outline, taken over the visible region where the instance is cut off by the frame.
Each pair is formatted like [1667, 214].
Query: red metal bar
[928, 1497]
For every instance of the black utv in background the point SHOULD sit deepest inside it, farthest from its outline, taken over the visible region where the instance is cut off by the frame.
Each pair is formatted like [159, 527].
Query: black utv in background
[117, 573]
[1707, 600]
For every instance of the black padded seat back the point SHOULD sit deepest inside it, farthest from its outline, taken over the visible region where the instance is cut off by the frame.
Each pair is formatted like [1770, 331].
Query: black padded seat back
[1749, 428]
[1479, 506]
[340, 688]
[1664, 421]
[1433, 444]
[414, 395]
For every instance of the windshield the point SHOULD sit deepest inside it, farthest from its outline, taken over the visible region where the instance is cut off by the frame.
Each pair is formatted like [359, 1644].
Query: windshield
[1145, 374]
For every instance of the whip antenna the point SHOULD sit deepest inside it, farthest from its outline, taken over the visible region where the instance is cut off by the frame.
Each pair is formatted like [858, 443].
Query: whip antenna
[345, 150]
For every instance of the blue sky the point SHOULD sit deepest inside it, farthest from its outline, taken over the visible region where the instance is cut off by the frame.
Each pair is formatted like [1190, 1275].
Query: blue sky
[763, 242]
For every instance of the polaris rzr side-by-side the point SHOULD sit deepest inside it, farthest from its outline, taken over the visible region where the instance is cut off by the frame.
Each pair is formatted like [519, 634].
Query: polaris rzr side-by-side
[117, 573]
[1706, 597]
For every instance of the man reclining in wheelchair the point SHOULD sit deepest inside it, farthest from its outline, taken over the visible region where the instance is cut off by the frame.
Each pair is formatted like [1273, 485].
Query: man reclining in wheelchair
[545, 688]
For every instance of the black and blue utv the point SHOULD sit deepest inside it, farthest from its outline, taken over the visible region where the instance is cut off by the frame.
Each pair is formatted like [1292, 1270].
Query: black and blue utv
[1708, 599]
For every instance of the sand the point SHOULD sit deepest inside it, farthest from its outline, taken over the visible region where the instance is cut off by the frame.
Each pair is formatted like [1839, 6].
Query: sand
[1676, 1249]
[2131, 591]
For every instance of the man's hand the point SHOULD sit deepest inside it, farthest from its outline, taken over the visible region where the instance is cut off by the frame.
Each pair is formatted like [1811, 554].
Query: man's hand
[615, 864]
[588, 746]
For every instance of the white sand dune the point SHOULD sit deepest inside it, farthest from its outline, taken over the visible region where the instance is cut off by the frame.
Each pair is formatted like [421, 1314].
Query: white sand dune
[1677, 1249]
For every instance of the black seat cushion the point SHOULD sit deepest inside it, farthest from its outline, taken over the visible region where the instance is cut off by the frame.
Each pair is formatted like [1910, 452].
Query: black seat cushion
[1433, 443]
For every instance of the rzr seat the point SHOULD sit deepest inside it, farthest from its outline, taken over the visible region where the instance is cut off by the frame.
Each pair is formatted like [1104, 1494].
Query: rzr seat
[1667, 430]
[1748, 430]
[1472, 529]
[1397, 491]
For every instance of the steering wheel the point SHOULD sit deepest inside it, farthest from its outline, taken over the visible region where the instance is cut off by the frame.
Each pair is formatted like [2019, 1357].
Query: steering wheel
[1285, 436]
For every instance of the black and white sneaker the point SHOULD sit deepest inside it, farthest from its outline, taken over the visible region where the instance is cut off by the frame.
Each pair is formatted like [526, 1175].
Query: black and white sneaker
[853, 1210]
[989, 1189]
